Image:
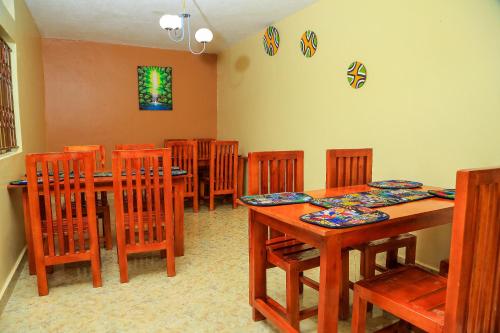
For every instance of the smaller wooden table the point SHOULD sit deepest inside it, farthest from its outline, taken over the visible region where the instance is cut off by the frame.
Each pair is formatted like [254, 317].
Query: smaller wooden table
[105, 184]
[404, 218]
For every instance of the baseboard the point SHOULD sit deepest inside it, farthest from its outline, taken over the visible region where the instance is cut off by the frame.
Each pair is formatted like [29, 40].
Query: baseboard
[10, 283]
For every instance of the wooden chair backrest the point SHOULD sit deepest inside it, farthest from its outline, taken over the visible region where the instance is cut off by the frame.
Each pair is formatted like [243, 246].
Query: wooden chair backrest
[348, 167]
[275, 171]
[204, 148]
[98, 150]
[148, 193]
[166, 141]
[223, 165]
[62, 207]
[135, 146]
[473, 290]
[185, 156]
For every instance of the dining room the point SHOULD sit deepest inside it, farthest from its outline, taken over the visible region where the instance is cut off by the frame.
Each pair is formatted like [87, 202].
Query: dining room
[249, 166]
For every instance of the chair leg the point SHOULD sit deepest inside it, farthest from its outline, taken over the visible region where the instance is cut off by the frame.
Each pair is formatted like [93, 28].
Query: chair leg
[359, 307]
[41, 277]
[212, 201]
[292, 298]
[170, 250]
[235, 198]
[391, 259]
[362, 264]
[95, 264]
[196, 203]
[301, 285]
[370, 263]
[411, 250]
[123, 264]
[344, 287]
[106, 221]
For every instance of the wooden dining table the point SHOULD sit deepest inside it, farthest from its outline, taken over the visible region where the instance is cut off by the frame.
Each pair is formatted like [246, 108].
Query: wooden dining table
[105, 184]
[404, 218]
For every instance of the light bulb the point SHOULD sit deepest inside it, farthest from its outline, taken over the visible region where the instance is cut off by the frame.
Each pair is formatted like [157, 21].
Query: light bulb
[204, 35]
[170, 22]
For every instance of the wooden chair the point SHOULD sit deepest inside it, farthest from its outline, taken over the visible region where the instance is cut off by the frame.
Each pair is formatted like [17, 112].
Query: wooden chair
[349, 167]
[185, 156]
[283, 171]
[134, 146]
[60, 235]
[144, 221]
[223, 178]
[102, 205]
[469, 299]
[204, 148]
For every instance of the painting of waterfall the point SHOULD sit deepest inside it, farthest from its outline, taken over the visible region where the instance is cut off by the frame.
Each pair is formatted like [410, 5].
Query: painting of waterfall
[155, 88]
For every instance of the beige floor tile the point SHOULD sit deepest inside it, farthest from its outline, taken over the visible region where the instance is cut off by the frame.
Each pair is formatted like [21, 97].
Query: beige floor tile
[208, 294]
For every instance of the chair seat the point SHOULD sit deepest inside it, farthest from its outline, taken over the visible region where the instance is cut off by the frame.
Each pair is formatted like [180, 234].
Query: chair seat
[284, 251]
[411, 292]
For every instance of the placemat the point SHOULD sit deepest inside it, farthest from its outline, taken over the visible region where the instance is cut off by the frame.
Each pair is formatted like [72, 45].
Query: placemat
[395, 184]
[372, 199]
[99, 174]
[344, 217]
[276, 199]
[444, 193]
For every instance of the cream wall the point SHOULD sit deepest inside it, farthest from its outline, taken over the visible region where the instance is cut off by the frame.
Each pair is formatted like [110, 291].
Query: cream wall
[430, 106]
[30, 105]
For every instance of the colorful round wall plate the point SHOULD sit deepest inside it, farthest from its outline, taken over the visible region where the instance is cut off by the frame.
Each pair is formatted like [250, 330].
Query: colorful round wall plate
[344, 217]
[271, 40]
[309, 43]
[395, 184]
[356, 74]
[445, 193]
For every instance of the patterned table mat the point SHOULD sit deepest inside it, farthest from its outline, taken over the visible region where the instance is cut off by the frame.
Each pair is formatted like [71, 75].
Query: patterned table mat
[344, 217]
[372, 199]
[395, 184]
[444, 193]
[276, 199]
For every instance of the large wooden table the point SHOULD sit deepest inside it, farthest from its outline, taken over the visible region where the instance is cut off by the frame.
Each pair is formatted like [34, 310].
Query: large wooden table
[403, 218]
[105, 184]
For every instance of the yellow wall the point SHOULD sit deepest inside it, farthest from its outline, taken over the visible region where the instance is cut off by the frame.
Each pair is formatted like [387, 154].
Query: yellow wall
[30, 103]
[430, 106]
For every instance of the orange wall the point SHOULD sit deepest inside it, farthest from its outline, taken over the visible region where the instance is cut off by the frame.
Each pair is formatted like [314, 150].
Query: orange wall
[91, 95]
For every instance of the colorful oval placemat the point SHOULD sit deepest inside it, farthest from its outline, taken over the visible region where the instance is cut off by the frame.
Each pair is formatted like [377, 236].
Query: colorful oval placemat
[372, 199]
[276, 199]
[444, 193]
[395, 184]
[344, 217]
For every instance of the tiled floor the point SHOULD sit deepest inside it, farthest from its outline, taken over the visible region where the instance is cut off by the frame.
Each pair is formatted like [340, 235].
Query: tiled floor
[208, 294]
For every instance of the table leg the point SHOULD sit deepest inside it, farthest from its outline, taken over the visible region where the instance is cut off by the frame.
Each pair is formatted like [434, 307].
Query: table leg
[179, 218]
[258, 235]
[27, 232]
[329, 286]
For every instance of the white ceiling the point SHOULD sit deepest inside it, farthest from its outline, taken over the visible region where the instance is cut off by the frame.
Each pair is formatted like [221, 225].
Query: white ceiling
[135, 22]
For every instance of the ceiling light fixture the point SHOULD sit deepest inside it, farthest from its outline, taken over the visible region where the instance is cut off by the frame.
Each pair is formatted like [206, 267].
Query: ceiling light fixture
[178, 26]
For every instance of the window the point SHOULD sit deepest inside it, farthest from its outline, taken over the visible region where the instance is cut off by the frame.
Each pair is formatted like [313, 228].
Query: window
[7, 117]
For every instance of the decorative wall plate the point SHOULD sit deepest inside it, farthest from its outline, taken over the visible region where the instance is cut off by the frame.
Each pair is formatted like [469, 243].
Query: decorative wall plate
[309, 43]
[271, 40]
[356, 74]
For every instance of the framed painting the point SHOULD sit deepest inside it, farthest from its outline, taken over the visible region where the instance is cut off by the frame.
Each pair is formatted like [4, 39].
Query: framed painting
[155, 88]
